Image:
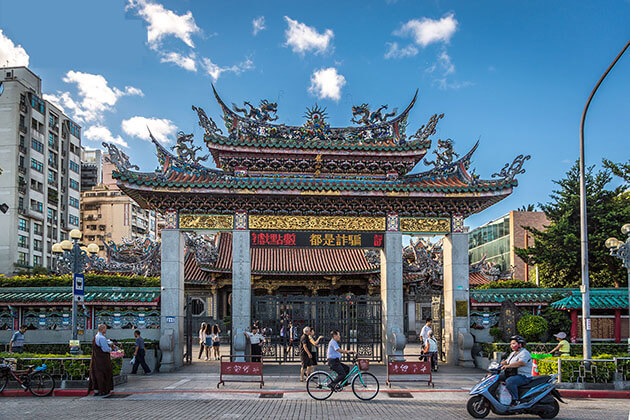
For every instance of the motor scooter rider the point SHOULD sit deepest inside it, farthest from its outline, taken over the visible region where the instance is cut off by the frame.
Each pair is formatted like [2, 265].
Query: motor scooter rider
[521, 360]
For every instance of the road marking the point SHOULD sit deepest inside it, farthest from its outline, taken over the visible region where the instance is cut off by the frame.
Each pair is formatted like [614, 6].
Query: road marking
[178, 383]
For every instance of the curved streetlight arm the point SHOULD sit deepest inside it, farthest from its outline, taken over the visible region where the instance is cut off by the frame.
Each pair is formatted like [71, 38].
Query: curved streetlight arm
[586, 307]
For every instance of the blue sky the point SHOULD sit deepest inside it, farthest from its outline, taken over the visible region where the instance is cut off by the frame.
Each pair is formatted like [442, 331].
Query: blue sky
[514, 74]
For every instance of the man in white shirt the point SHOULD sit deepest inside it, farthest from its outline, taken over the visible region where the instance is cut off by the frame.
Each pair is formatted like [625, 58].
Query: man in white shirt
[256, 340]
[521, 360]
[424, 333]
[334, 359]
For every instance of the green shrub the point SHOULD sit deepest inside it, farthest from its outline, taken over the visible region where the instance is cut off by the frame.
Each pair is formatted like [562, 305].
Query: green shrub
[111, 280]
[532, 327]
[497, 334]
[75, 367]
[508, 284]
[603, 372]
[558, 320]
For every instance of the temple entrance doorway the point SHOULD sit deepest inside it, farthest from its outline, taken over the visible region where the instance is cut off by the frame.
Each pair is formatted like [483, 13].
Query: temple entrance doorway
[283, 318]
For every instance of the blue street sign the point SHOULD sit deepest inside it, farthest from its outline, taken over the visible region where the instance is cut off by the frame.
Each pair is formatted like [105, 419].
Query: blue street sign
[78, 290]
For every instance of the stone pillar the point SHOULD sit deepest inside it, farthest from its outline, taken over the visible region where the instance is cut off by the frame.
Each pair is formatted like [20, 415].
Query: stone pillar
[241, 290]
[392, 295]
[411, 316]
[457, 338]
[172, 300]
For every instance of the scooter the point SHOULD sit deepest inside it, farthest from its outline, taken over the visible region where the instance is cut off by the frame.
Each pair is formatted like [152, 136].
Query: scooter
[539, 396]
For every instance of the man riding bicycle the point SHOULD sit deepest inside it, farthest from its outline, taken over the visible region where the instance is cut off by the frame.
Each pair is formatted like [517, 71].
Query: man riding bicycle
[334, 359]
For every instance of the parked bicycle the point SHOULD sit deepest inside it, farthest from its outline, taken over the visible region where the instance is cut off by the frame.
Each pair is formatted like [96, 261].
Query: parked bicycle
[364, 385]
[34, 379]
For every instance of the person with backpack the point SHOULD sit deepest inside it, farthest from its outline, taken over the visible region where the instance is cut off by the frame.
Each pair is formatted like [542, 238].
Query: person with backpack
[431, 351]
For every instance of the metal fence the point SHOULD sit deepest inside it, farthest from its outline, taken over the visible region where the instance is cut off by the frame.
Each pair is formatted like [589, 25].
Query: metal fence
[593, 370]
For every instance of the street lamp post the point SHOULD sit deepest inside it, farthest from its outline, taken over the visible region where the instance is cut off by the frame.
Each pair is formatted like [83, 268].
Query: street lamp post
[586, 298]
[621, 250]
[73, 256]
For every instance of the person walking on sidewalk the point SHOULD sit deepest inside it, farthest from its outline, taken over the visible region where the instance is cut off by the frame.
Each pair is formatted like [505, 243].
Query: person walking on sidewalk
[139, 354]
[431, 351]
[255, 339]
[101, 370]
[306, 353]
[334, 359]
[202, 339]
[208, 342]
[424, 333]
[216, 342]
[16, 345]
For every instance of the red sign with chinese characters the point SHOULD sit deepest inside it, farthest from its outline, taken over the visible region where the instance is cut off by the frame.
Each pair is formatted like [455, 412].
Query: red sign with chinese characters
[409, 368]
[241, 368]
[316, 239]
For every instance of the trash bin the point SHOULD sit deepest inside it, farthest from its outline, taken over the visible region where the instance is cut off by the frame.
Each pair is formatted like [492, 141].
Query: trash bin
[535, 358]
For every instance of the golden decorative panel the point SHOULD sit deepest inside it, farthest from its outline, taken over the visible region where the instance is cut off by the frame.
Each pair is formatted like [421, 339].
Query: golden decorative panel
[425, 224]
[336, 223]
[206, 221]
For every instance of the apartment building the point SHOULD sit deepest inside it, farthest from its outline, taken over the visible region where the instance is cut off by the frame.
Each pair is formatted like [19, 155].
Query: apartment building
[108, 214]
[91, 168]
[40, 156]
[496, 240]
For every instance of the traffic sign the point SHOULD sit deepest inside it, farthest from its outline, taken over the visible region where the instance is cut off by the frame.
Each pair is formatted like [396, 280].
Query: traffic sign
[78, 289]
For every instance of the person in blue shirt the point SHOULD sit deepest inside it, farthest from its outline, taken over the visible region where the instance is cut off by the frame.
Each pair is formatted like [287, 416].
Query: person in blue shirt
[101, 370]
[16, 345]
[334, 359]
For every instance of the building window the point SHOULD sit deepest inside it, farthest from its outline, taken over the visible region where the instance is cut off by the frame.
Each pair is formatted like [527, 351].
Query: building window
[53, 120]
[52, 141]
[38, 104]
[52, 177]
[37, 165]
[74, 220]
[74, 202]
[37, 186]
[38, 229]
[52, 159]
[52, 216]
[74, 184]
[22, 258]
[37, 245]
[37, 260]
[75, 130]
[74, 166]
[37, 206]
[37, 145]
[23, 225]
[22, 241]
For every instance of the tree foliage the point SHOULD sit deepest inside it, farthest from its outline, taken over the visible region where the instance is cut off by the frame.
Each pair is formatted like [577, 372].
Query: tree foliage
[556, 250]
[508, 284]
[622, 170]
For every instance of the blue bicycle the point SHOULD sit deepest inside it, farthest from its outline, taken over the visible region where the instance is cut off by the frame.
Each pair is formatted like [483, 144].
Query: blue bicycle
[364, 385]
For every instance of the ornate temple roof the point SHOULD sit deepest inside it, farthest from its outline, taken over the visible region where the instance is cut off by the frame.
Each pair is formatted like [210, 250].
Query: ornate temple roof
[126, 296]
[600, 299]
[298, 165]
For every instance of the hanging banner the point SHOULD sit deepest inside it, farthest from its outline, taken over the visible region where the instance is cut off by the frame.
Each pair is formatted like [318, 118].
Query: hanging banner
[316, 239]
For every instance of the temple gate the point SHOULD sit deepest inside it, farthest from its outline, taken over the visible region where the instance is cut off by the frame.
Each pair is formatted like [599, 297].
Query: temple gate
[285, 182]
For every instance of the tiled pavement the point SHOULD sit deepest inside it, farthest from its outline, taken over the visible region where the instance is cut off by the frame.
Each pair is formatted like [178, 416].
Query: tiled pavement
[81, 408]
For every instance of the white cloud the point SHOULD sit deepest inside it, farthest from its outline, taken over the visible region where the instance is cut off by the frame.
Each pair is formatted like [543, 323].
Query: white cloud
[215, 71]
[101, 133]
[302, 38]
[55, 100]
[258, 24]
[395, 51]
[11, 54]
[327, 83]
[163, 22]
[95, 96]
[428, 31]
[185, 62]
[161, 128]
[443, 64]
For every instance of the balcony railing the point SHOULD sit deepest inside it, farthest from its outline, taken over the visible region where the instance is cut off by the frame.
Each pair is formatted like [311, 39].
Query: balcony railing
[21, 169]
[23, 129]
[22, 149]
